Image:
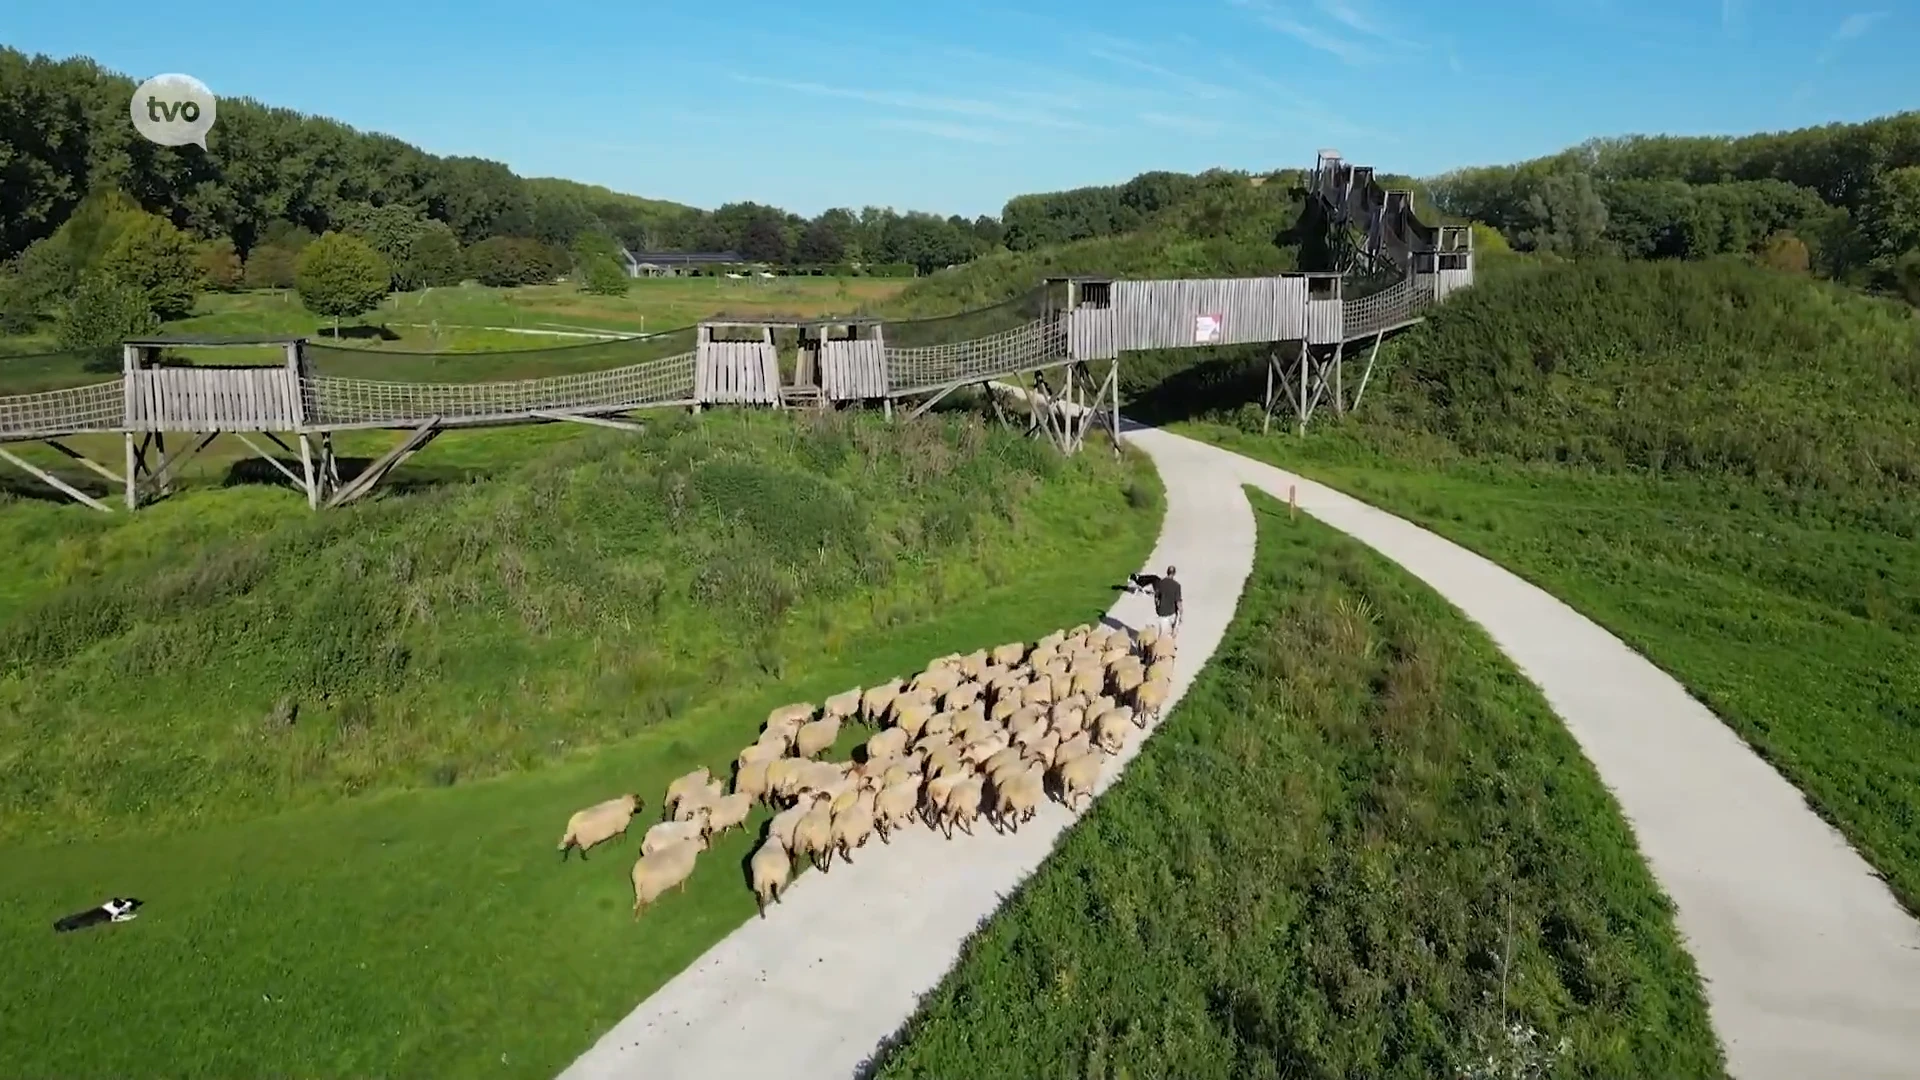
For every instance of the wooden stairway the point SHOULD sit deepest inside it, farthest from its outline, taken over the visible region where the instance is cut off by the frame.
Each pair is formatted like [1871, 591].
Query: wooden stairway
[802, 397]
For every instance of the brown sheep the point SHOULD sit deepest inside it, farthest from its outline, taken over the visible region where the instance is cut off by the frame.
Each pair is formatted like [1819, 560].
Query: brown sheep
[816, 736]
[661, 870]
[876, 701]
[1148, 700]
[771, 866]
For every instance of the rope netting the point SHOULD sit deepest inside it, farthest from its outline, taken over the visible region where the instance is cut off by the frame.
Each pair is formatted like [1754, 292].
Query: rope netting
[99, 407]
[498, 364]
[333, 401]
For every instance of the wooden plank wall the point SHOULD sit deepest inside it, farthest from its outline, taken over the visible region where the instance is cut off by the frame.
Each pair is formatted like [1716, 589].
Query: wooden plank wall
[853, 370]
[1324, 322]
[1090, 334]
[1447, 281]
[213, 399]
[737, 373]
[1161, 314]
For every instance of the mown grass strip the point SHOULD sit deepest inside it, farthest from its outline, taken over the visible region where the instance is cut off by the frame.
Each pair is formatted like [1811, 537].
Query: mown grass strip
[1361, 846]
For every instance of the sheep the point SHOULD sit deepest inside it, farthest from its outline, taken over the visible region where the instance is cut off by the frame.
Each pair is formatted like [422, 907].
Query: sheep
[896, 806]
[771, 866]
[938, 680]
[1017, 797]
[963, 805]
[1044, 747]
[937, 724]
[1162, 648]
[1051, 641]
[729, 811]
[813, 836]
[658, 871]
[1146, 637]
[1115, 652]
[962, 696]
[816, 736]
[598, 823]
[761, 751]
[875, 702]
[853, 825]
[1076, 777]
[887, 744]
[686, 785]
[1110, 730]
[667, 833]
[938, 790]
[1000, 760]
[842, 706]
[783, 774]
[1070, 721]
[972, 663]
[985, 747]
[1148, 700]
[1078, 746]
[900, 772]
[1128, 678]
[913, 718]
[1004, 708]
[786, 720]
[699, 798]
[753, 780]
[784, 823]
[1160, 669]
[1087, 680]
[1039, 692]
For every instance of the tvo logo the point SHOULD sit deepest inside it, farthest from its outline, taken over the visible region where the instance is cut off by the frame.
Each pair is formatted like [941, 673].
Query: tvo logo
[173, 110]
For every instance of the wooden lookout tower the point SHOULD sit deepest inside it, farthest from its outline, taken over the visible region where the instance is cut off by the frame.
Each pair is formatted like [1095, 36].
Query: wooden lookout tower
[245, 399]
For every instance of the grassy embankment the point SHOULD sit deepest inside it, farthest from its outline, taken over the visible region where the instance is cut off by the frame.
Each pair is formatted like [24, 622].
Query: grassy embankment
[347, 891]
[1360, 846]
[1718, 463]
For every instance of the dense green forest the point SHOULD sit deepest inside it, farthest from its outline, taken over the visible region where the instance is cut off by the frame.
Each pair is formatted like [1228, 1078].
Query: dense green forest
[269, 171]
[1841, 198]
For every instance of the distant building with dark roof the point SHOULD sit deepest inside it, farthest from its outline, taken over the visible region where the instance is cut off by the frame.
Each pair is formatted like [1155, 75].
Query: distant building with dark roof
[675, 263]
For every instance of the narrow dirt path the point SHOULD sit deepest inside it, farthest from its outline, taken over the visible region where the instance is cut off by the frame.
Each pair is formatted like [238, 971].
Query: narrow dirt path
[1812, 969]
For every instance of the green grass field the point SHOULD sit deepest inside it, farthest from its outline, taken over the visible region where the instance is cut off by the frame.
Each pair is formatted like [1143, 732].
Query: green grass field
[1795, 617]
[350, 894]
[1358, 847]
[455, 321]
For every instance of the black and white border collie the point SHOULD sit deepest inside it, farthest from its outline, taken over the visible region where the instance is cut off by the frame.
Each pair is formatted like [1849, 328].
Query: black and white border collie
[118, 909]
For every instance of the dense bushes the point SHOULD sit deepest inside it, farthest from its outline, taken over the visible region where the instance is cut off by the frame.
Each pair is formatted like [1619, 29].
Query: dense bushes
[1717, 367]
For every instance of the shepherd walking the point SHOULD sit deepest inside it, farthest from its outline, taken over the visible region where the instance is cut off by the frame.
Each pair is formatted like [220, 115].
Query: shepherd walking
[1169, 608]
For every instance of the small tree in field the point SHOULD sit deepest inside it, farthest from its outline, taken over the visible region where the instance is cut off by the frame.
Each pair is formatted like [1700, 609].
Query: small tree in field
[102, 313]
[605, 278]
[340, 276]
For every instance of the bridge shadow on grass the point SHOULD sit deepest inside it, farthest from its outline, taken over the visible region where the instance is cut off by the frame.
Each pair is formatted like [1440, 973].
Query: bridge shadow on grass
[1211, 387]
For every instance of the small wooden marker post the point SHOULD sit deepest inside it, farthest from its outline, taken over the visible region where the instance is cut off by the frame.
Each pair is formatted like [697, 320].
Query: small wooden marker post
[1293, 502]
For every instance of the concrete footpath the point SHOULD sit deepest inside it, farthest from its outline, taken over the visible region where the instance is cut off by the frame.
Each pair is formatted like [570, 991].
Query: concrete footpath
[1811, 968]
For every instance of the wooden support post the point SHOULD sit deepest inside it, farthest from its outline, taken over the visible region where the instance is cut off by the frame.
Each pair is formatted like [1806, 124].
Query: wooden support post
[69, 490]
[993, 399]
[133, 490]
[932, 401]
[306, 467]
[1305, 358]
[1339, 396]
[1266, 401]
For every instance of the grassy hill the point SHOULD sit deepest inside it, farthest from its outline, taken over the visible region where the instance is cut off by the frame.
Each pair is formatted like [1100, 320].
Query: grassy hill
[1716, 461]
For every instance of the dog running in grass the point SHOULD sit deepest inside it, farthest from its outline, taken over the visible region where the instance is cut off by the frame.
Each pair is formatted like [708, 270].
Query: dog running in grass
[118, 909]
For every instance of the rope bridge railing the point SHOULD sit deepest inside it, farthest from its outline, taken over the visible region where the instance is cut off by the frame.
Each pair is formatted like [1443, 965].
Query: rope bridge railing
[336, 402]
[1384, 310]
[98, 407]
[930, 367]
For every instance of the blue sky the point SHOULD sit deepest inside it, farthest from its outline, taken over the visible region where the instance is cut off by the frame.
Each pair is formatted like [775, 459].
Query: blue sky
[956, 107]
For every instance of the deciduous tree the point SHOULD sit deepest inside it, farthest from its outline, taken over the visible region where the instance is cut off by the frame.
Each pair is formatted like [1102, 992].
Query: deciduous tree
[339, 276]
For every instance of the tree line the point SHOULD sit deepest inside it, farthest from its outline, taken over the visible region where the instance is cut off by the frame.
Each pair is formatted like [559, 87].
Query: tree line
[1841, 199]
[272, 176]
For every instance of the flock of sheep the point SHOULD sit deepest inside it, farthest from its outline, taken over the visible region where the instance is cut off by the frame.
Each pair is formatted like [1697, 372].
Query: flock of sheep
[991, 733]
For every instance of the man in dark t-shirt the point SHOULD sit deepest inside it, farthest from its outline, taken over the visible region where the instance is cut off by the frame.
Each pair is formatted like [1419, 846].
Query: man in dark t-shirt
[1169, 608]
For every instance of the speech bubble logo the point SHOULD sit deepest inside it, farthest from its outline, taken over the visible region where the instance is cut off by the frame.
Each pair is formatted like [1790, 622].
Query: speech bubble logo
[173, 110]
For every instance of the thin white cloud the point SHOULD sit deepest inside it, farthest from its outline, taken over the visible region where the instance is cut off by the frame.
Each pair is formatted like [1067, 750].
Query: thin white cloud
[1731, 12]
[1345, 19]
[1186, 125]
[970, 108]
[954, 132]
[1116, 51]
[1851, 27]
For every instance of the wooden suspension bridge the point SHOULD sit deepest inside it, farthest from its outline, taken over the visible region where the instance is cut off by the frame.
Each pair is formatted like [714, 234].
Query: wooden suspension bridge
[1076, 324]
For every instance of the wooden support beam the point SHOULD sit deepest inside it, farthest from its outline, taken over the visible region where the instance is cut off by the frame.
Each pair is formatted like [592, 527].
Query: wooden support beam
[583, 418]
[1266, 402]
[993, 398]
[1368, 373]
[132, 463]
[393, 458]
[69, 490]
[161, 482]
[311, 481]
[268, 458]
[112, 477]
[932, 401]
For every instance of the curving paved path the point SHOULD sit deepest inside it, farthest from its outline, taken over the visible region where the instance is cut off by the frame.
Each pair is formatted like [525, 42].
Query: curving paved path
[1812, 969]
